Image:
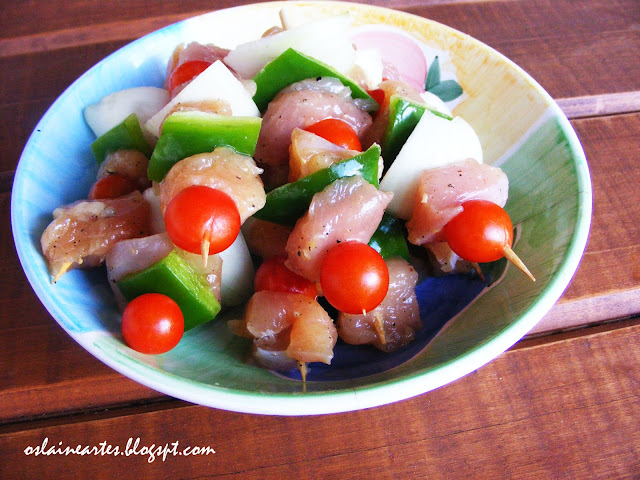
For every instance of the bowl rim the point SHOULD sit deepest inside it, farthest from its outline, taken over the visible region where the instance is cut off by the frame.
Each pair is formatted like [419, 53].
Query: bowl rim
[351, 398]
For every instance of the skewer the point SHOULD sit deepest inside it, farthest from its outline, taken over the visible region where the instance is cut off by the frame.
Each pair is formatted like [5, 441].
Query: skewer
[204, 248]
[476, 267]
[483, 219]
[283, 19]
[64, 268]
[302, 367]
[378, 324]
[513, 258]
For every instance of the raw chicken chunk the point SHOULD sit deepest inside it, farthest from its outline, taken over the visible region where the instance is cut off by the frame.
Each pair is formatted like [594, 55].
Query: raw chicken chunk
[223, 169]
[348, 209]
[442, 191]
[394, 322]
[83, 232]
[289, 326]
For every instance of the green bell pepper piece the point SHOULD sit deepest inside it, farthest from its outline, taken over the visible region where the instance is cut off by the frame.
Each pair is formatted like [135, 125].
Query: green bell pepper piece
[404, 115]
[172, 276]
[286, 204]
[390, 240]
[187, 133]
[124, 136]
[292, 66]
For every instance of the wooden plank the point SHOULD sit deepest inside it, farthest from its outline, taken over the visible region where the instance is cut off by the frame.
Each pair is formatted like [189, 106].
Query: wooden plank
[33, 29]
[86, 25]
[6, 181]
[46, 373]
[506, 420]
[554, 41]
[93, 384]
[37, 81]
[88, 34]
[563, 65]
[610, 144]
[17, 122]
[607, 282]
[502, 23]
[558, 406]
[78, 14]
[44, 370]
[45, 75]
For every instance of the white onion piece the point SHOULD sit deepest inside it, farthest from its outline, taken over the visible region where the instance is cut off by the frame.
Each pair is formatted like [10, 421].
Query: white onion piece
[114, 108]
[237, 273]
[157, 219]
[434, 142]
[215, 83]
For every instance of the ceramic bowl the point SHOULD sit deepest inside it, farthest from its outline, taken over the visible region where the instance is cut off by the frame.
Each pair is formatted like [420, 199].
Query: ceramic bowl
[466, 325]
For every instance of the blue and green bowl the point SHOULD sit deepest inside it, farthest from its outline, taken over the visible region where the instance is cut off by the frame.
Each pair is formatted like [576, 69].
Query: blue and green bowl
[467, 323]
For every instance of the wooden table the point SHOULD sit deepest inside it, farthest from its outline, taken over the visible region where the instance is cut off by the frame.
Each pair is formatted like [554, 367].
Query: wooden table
[556, 405]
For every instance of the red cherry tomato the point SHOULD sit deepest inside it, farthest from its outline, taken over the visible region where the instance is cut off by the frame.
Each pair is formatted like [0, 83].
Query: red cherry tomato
[185, 72]
[481, 232]
[112, 186]
[336, 131]
[273, 275]
[354, 277]
[152, 323]
[378, 95]
[199, 214]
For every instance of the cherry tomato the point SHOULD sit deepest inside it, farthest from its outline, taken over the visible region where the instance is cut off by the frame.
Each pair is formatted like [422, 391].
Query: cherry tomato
[152, 323]
[354, 277]
[273, 275]
[185, 72]
[481, 232]
[200, 214]
[336, 131]
[378, 95]
[112, 186]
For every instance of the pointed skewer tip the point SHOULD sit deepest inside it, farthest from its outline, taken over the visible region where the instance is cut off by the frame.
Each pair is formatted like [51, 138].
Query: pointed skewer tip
[476, 267]
[302, 367]
[64, 268]
[379, 326]
[513, 258]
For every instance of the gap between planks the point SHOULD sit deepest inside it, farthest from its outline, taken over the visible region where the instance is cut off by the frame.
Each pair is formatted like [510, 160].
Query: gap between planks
[92, 414]
[600, 105]
[523, 348]
[88, 35]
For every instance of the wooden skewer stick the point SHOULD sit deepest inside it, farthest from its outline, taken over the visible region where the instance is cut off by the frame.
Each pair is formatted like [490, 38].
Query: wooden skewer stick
[302, 367]
[513, 258]
[378, 324]
[476, 267]
[63, 269]
[204, 248]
